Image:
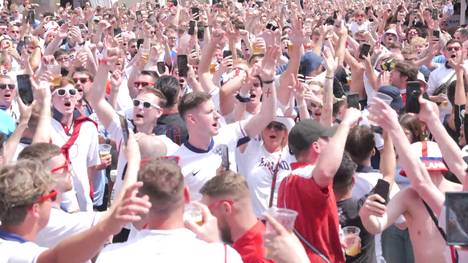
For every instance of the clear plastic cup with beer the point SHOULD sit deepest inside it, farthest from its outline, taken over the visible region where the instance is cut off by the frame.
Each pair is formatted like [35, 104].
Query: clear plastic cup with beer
[352, 240]
[104, 150]
[193, 213]
[55, 73]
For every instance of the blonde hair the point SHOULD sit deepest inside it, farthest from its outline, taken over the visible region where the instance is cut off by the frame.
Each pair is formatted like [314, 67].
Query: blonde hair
[21, 185]
[418, 41]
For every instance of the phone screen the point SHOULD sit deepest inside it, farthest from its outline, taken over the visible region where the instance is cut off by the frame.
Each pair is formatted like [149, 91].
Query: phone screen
[161, 67]
[227, 53]
[31, 17]
[25, 89]
[364, 51]
[201, 33]
[382, 188]
[456, 215]
[117, 31]
[195, 13]
[223, 151]
[182, 65]
[191, 30]
[413, 91]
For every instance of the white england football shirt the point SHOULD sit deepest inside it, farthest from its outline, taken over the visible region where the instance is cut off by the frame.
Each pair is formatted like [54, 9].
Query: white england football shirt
[83, 153]
[257, 165]
[115, 133]
[174, 246]
[199, 166]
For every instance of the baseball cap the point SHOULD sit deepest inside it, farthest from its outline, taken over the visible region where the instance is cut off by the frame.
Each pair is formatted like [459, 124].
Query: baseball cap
[305, 132]
[309, 62]
[286, 121]
[394, 92]
[430, 155]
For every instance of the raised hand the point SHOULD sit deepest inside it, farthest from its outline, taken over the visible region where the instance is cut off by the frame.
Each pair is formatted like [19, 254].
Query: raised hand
[373, 206]
[129, 209]
[208, 231]
[382, 114]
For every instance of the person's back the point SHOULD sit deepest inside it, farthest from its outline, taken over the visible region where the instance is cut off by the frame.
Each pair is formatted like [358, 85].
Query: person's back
[165, 239]
[348, 209]
[173, 245]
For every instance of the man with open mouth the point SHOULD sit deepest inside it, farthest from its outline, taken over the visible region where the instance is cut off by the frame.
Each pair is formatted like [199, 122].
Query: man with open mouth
[7, 95]
[78, 137]
[141, 118]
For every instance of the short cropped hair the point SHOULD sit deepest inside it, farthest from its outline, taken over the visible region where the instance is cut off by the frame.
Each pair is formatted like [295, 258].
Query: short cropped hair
[407, 69]
[21, 185]
[360, 143]
[226, 183]
[41, 152]
[344, 175]
[163, 182]
[83, 70]
[191, 101]
[170, 87]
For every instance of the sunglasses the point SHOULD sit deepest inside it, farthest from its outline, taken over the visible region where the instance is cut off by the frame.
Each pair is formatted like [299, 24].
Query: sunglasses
[453, 48]
[276, 126]
[145, 104]
[143, 84]
[65, 167]
[9, 86]
[63, 91]
[81, 80]
[52, 196]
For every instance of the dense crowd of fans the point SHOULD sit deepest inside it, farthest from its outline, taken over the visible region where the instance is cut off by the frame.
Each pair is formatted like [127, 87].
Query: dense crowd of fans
[234, 131]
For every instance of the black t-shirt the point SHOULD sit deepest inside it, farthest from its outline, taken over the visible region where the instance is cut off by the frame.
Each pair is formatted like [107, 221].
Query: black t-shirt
[173, 126]
[348, 214]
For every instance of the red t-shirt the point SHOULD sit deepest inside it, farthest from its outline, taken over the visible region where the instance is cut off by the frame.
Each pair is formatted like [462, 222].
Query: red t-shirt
[250, 245]
[317, 220]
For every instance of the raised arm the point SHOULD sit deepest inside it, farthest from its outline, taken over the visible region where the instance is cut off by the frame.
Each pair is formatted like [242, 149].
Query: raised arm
[96, 94]
[287, 78]
[449, 148]
[376, 217]
[330, 157]
[387, 119]
[204, 74]
[330, 64]
[257, 123]
[388, 159]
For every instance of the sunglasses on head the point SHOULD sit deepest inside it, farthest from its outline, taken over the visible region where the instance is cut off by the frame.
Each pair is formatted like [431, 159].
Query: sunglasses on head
[80, 80]
[142, 83]
[276, 126]
[9, 86]
[145, 104]
[63, 91]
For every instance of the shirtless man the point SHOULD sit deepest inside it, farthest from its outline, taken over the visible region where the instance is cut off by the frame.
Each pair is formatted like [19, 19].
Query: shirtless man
[376, 217]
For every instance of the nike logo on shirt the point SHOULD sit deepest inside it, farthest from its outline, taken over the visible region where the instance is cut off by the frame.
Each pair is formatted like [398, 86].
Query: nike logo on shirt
[195, 172]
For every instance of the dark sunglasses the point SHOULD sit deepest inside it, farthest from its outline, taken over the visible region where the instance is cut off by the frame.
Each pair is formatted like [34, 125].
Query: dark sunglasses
[453, 48]
[9, 86]
[80, 80]
[142, 83]
[276, 126]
